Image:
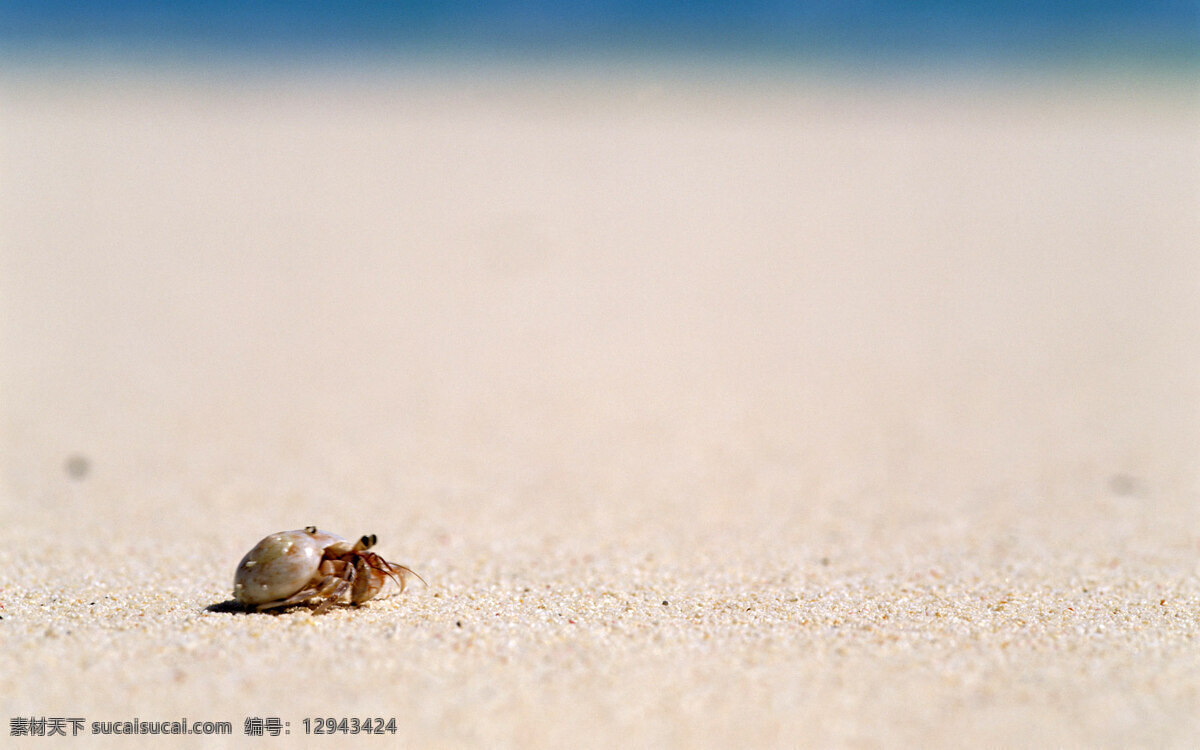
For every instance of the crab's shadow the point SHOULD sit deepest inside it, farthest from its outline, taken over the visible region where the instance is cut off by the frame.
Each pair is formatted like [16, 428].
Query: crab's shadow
[229, 607]
[234, 607]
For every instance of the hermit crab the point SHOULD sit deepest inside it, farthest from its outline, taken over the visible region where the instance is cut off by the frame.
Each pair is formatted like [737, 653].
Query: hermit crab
[294, 567]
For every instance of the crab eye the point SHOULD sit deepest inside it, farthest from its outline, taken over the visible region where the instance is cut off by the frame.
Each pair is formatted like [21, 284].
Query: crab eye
[310, 529]
[367, 541]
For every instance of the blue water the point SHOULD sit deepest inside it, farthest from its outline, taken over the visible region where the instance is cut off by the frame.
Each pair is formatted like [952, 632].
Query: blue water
[1157, 30]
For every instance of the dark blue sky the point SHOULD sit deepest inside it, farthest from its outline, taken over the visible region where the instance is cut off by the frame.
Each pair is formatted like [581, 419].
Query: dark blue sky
[1167, 30]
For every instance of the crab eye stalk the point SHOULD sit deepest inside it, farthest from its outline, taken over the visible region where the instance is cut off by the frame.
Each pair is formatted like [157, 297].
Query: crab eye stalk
[310, 529]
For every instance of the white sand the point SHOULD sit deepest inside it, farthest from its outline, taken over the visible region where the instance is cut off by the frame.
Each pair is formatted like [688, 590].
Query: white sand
[746, 413]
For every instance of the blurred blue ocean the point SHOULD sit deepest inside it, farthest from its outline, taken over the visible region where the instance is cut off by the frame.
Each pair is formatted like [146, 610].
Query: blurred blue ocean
[1157, 32]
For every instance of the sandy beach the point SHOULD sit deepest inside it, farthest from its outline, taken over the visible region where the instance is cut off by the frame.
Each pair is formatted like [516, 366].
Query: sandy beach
[717, 411]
